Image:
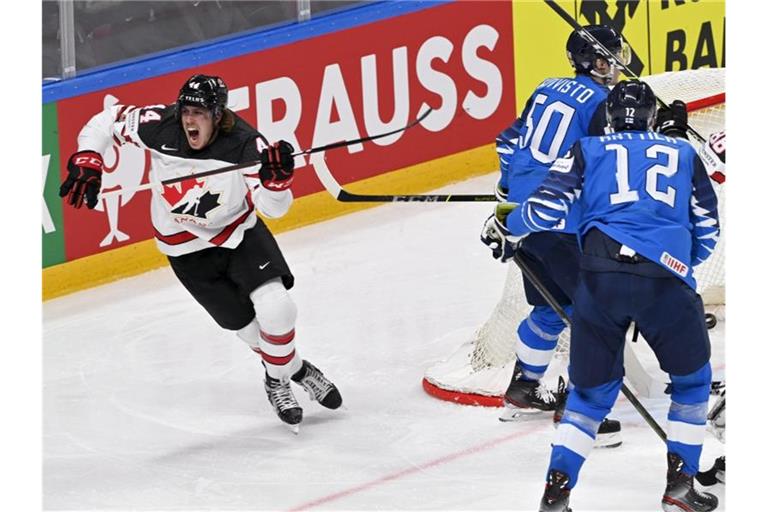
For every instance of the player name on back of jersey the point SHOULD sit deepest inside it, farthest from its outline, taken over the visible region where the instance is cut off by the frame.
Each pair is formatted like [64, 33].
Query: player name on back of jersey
[580, 92]
[638, 136]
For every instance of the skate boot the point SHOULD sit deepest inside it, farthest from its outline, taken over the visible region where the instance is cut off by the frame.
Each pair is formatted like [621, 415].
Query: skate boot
[525, 397]
[609, 431]
[556, 495]
[680, 494]
[714, 475]
[317, 385]
[281, 397]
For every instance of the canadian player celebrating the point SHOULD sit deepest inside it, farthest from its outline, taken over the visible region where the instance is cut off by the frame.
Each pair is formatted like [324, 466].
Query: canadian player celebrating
[208, 228]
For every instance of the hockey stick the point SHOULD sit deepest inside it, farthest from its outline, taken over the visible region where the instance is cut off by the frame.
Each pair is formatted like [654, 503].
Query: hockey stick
[536, 282]
[334, 188]
[243, 165]
[589, 37]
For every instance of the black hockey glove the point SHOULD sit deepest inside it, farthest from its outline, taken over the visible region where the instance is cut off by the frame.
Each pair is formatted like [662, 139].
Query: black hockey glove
[84, 179]
[276, 171]
[673, 120]
[496, 235]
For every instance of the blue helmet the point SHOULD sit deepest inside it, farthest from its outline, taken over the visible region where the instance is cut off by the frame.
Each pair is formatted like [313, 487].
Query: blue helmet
[631, 105]
[205, 91]
[583, 53]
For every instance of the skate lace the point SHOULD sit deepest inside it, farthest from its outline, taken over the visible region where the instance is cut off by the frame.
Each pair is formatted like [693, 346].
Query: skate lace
[544, 394]
[316, 384]
[282, 396]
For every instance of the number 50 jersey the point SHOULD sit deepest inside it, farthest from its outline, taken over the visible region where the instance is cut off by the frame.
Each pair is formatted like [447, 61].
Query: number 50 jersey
[644, 190]
[559, 112]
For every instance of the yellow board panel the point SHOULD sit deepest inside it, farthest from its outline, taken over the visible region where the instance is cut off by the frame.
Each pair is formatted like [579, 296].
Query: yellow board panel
[687, 35]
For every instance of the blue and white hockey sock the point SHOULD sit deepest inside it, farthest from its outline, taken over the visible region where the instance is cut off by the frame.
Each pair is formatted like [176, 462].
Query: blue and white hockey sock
[688, 416]
[538, 335]
[576, 433]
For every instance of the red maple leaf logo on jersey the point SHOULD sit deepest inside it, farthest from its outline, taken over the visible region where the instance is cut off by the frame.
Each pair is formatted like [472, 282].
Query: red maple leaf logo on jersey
[174, 193]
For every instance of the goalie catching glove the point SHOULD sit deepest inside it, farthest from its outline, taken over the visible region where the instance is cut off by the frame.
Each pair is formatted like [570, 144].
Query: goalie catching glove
[84, 179]
[277, 163]
[496, 235]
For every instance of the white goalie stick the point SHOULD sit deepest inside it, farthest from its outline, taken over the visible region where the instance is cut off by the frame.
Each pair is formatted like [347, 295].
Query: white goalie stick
[589, 37]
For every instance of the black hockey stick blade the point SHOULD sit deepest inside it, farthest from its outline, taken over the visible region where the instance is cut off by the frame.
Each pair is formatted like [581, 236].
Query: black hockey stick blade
[589, 37]
[310, 151]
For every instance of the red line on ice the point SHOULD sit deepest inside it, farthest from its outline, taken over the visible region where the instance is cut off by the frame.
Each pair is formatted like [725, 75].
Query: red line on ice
[493, 443]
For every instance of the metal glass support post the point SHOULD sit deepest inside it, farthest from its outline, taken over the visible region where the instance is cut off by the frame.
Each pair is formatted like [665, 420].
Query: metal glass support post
[67, 41]
[304, 9]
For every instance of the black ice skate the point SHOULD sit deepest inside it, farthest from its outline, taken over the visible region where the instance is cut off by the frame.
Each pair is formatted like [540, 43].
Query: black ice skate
[281, 397]
[556, 494]
[714, 475]
[525, 397]
[318, 386]
[680, 494]
[609, 431]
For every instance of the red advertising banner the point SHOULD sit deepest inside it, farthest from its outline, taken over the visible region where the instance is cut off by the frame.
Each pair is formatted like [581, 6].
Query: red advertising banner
[456, 58]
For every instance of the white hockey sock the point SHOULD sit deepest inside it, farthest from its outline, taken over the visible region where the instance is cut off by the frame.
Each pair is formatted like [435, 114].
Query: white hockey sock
[276, 315]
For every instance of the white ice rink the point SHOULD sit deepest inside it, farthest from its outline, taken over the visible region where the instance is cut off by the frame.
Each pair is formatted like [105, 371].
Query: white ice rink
[148, 405]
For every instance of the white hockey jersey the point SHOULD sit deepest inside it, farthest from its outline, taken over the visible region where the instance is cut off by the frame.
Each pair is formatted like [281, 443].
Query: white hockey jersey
[193, 214]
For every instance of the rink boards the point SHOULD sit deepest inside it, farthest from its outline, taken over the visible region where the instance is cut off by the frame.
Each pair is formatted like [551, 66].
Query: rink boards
[360, 72]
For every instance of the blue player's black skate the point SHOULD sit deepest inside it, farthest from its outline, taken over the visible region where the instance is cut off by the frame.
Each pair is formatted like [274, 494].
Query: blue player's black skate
[680, 494]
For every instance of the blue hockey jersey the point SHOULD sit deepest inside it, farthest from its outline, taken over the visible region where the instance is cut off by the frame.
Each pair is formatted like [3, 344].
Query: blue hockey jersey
[559, 112]
[644, 190]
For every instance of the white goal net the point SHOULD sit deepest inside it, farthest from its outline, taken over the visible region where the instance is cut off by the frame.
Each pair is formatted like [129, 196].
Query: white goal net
[478, 372]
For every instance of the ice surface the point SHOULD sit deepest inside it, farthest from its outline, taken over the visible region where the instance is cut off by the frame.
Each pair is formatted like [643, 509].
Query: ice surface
[148, 405]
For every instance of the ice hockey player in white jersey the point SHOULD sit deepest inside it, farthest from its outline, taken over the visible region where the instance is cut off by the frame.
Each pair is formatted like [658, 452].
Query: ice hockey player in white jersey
[712, 153]
[208, 227]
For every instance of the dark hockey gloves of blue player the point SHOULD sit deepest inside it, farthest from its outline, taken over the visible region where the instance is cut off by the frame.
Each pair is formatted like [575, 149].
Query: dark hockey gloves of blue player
[277, 163]
[84, 179]
[496, 235]
[673, 120]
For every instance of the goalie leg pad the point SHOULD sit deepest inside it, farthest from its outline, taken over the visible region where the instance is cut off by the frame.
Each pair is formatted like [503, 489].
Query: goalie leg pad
[538, 335]
[276, 319]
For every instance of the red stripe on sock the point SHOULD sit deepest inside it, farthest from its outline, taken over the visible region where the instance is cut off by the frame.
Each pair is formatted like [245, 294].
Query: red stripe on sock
[278, 339]
[278, 361]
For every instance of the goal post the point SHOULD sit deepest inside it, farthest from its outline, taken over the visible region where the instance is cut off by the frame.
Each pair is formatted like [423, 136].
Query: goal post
[479, 370]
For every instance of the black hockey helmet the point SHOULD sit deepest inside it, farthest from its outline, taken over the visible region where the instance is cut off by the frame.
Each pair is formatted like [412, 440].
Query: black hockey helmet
[582, 52]
[205, 91]
[631, 105]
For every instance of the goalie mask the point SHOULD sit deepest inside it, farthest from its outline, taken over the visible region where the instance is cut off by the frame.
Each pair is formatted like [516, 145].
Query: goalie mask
[631, 105]
[205, 91]
[583, 53]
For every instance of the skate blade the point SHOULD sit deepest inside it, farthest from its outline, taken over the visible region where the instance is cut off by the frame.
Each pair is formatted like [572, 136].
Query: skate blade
[293, 428]
[673, 507]
[515, 414]
[612, 440]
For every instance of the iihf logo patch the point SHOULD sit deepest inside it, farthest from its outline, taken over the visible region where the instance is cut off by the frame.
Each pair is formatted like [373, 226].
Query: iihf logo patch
[673, 264]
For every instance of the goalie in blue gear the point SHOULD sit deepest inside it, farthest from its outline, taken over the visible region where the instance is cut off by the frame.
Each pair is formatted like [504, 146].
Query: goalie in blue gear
[648, 216]
[557, 114]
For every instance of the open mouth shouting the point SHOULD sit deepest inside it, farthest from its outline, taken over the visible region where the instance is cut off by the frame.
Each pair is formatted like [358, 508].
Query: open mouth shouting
[198, 125]
[193, 137]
